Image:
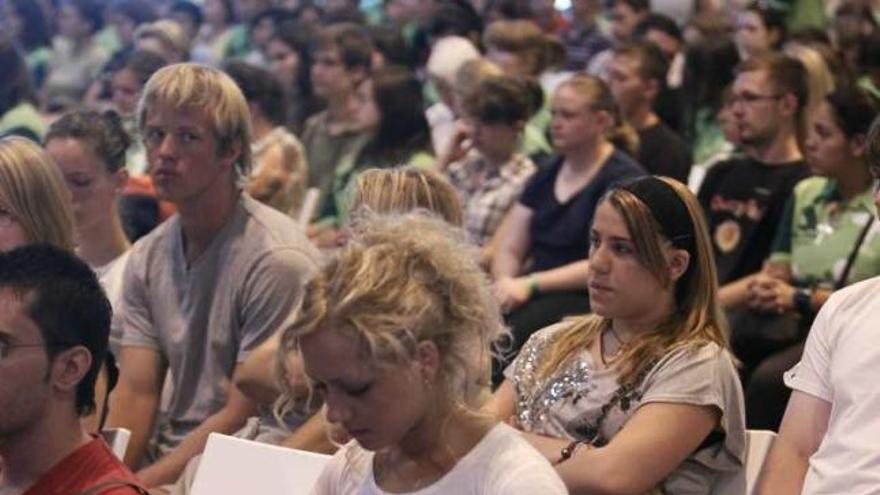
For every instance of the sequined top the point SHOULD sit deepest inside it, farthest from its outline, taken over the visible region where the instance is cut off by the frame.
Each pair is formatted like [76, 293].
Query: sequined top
[568, 404]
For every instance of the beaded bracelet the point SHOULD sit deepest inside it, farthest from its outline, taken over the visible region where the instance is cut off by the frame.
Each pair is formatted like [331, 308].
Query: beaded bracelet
[568, 451]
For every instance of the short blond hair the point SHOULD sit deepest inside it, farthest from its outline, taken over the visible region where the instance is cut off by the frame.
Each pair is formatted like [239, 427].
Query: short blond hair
[33, 191]
[198, 86]
[403, 189]
[403, 279]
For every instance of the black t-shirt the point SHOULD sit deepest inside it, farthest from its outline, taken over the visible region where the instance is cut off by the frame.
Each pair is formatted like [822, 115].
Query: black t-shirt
[662, 152]
[744, 200]
[560, 232]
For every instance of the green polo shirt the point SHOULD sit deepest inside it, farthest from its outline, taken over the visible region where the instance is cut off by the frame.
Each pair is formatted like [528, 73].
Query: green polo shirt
[818, 231]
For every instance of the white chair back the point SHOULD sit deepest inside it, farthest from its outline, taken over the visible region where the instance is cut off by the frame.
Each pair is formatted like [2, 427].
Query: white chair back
[743, 482]
[117, 439]
[309, 206]
[233, 465]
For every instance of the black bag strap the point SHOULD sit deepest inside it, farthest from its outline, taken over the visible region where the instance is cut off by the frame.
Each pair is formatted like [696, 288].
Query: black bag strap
[106, 485]
[851, 259]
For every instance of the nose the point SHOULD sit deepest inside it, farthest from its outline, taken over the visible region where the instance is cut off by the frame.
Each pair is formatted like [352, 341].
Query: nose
[600, 261]
[167, 146]
[337, 411]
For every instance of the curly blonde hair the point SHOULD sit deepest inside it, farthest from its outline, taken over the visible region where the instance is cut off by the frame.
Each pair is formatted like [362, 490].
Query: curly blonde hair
[403, 279]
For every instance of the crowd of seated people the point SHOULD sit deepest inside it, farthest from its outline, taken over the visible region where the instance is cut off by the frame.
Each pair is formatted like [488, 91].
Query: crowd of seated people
[462, 246]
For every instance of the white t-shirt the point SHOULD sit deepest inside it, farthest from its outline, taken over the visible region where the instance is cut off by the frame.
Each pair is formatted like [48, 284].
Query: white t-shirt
[111, 275]
[503, 462]
[841, 365]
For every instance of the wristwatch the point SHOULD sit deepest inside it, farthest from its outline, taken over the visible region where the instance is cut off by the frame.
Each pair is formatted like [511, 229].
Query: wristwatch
[802, 300]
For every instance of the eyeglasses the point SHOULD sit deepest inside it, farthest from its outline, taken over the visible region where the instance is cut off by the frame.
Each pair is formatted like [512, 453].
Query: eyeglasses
[749, 98]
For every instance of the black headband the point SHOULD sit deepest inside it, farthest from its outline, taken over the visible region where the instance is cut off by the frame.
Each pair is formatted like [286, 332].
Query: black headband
[667, 208]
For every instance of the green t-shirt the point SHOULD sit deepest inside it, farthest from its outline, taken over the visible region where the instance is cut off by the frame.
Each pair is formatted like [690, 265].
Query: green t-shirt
[23, 120]
[818, 231]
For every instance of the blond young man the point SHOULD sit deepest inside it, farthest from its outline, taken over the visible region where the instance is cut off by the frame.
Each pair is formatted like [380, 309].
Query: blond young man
[209, 284]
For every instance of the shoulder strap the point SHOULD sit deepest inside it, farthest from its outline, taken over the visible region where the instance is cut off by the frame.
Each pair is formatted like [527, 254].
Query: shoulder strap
[106, 485]
[851, 259]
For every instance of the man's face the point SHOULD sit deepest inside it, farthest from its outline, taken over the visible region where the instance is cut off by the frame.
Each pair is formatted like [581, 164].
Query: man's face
[624, 20]
[24, 389]
[629, 89]
[756, 108]
[183, 154]
[330, 78]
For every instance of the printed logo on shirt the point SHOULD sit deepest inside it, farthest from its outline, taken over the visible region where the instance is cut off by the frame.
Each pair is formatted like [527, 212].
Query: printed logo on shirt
[727, 236]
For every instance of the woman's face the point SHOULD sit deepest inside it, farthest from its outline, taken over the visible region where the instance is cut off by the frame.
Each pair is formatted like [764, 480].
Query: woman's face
[367, 111]
[573, 121]
[12, 234]
[828, 149]
[620, 286]
[215, 12]
[752, 36]
[284, 62]
[376, 405]
[126, 91]
[93, 190]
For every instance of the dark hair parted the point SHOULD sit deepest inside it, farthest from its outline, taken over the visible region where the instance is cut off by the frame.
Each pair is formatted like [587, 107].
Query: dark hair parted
[261, 87]
[853, 110]
[772, 19]
[144, 63]
[353, 42]
[526, 40]
[36, 32]
[872, 148]
[63, 297]
[652, 64]
[403, 128]
[504, 99]
[91, 11]
[139, 11]
[659, 22]
[15, 79]
[103, 133]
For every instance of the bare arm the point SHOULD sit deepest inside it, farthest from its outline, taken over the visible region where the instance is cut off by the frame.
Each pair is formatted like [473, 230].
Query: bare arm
[802, 430]
[134, 403]
[656, 451]
[227, 420]
[311, 436]
[514, 243]
[256, 375]
[502, 405]
[736, 294]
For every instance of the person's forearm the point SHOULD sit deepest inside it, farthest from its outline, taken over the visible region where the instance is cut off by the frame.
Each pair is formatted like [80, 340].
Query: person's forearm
[312, 436]
[136, 413]
[505, 264]
[549, 447]
[569, 277]
[167, 469]
[784, 470]
[736, 293]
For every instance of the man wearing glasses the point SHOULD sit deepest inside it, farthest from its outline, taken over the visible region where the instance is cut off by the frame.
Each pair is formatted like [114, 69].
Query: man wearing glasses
[744, 197]
[54, 328]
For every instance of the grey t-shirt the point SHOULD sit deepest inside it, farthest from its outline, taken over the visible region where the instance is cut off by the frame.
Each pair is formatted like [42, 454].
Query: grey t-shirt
[205, 318]
[568, 403]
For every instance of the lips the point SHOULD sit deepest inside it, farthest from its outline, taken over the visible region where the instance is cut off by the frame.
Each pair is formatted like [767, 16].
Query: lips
[598, 287]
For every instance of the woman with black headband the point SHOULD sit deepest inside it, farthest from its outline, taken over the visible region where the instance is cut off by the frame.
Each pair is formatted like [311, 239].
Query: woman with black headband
[642, 395]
